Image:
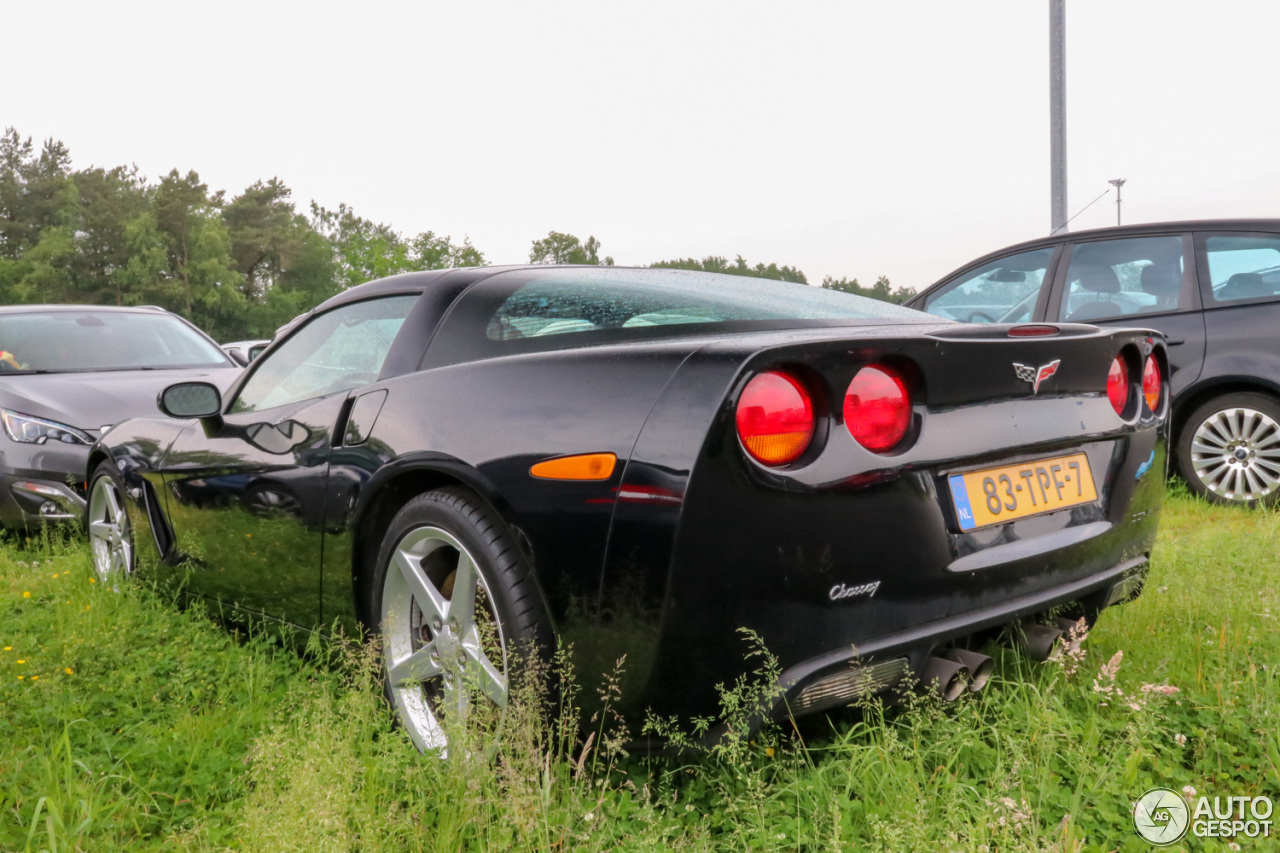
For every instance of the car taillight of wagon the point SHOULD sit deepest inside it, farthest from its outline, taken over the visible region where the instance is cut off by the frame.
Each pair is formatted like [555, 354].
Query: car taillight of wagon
[877, 408]
[775, 418]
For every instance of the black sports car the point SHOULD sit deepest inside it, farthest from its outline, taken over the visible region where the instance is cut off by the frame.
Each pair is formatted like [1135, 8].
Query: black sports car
[643, 461]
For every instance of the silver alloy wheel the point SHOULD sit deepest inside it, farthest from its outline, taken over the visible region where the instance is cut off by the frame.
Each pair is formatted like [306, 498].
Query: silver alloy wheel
[109, 533]
[1236, 454]
[434, 648]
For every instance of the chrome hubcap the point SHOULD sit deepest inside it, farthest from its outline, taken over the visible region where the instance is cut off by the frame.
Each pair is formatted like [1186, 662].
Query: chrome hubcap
[442, 641]
[109, 532]
[1236, 454]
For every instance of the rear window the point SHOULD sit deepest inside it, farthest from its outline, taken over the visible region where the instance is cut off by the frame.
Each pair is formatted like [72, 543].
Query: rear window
[71, 341]
[528, 310]
[1243, 267]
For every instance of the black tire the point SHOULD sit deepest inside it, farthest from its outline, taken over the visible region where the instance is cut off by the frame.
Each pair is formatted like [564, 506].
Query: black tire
[107, 523]
[424, 647]
[1229, 450]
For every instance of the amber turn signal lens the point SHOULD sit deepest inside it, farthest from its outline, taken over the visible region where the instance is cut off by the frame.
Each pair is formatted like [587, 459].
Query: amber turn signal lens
[586, 466]
[1151, 383]
[775, 418]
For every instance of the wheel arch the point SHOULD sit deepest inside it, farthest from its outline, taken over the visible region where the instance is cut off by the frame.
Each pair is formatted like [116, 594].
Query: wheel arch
[1203, 392]
[395, 485]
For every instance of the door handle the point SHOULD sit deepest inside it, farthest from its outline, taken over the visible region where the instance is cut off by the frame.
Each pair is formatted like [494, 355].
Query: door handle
[1173, 342]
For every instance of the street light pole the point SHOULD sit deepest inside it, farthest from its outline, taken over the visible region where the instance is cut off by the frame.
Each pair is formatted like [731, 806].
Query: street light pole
[1057, 116]
[1117, 183]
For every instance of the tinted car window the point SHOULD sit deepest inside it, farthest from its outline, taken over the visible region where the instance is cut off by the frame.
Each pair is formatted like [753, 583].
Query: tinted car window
[1118, 278]
[1243, 267]
[531, 310]
[69, 341]
[336, 351]
[1004, 290]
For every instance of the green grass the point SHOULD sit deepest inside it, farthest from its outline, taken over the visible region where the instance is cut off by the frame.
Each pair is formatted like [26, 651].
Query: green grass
[127, 723]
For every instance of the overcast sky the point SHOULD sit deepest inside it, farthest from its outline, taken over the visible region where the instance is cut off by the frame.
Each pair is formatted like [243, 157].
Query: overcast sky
[845, 138]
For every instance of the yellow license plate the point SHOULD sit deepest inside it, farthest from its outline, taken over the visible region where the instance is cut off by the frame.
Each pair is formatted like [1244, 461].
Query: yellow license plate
[997, 495]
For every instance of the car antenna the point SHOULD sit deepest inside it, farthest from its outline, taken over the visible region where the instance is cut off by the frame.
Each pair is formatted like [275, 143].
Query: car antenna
[1078, 212]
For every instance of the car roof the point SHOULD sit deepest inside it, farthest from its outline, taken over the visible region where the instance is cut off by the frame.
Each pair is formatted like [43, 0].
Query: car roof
[57, 309]
[1119, 231]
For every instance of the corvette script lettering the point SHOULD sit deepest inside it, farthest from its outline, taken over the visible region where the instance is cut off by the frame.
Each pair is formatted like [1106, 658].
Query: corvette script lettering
[839, 592]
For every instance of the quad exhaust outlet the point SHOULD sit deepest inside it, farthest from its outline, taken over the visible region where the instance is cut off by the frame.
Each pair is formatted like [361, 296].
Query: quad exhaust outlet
[952, 672]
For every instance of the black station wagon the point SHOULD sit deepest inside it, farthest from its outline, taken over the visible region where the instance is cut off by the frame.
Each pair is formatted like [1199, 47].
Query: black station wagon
[1212, 287]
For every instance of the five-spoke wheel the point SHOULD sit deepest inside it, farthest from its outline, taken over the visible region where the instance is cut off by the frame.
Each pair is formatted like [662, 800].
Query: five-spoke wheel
[1229, 450]
[109, 533]
[451, 597]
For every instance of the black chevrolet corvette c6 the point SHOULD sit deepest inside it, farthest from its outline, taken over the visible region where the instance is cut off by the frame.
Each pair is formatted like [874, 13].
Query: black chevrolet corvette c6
[645, 461]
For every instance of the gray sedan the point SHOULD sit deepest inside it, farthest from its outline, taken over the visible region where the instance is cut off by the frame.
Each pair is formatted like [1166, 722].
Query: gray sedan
[68, 373]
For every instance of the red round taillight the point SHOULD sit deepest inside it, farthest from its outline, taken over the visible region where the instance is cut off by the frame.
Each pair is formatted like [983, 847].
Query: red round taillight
[877, 408]
[775, 418]
[1118, 385]
[1151, 383]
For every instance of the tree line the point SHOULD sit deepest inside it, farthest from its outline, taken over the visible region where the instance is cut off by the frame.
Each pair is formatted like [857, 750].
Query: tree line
[238, 267]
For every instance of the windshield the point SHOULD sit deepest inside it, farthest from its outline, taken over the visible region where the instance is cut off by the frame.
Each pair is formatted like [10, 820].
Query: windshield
[68, 341]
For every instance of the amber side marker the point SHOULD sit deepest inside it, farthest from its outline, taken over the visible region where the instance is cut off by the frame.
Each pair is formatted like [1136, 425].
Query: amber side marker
[586, 466]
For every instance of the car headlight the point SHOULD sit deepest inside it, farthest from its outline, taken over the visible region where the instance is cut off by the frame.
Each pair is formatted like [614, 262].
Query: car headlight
[29, 430]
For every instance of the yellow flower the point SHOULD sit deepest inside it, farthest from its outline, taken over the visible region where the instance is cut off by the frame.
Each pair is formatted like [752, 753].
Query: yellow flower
[768, 750]
[93, 580]
[248, 536]
[26, 594]
[35, 678]
[22, 677]
[21, 661]
[8, 648]
[69, 671]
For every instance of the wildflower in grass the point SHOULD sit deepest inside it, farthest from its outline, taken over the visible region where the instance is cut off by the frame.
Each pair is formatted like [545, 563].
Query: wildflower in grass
[1104, 684]
[1231, 845]
[93, 580]
[768, 750]
[1180, 739]
[1188, 792]
[22, 678]
[26, 594]
[1162, 689]
[22, 661]
[69, 671]
[8, 648]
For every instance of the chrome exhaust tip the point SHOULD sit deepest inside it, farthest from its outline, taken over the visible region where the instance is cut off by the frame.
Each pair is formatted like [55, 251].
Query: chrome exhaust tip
[980, 666]
[1037, 641]
[947, 678]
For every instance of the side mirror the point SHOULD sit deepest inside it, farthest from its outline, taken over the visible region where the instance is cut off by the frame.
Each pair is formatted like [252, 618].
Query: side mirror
[193, 400]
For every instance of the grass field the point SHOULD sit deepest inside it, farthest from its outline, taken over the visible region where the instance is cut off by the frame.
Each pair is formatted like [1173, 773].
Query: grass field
[129, 724]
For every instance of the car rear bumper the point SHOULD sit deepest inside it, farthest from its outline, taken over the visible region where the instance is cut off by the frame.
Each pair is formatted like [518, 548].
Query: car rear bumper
[845, 675]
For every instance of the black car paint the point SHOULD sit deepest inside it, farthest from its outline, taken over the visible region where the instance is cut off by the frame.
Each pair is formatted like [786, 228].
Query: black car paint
[688, 540]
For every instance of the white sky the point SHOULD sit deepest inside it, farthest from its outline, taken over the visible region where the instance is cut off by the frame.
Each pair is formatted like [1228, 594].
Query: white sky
[845, 138]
